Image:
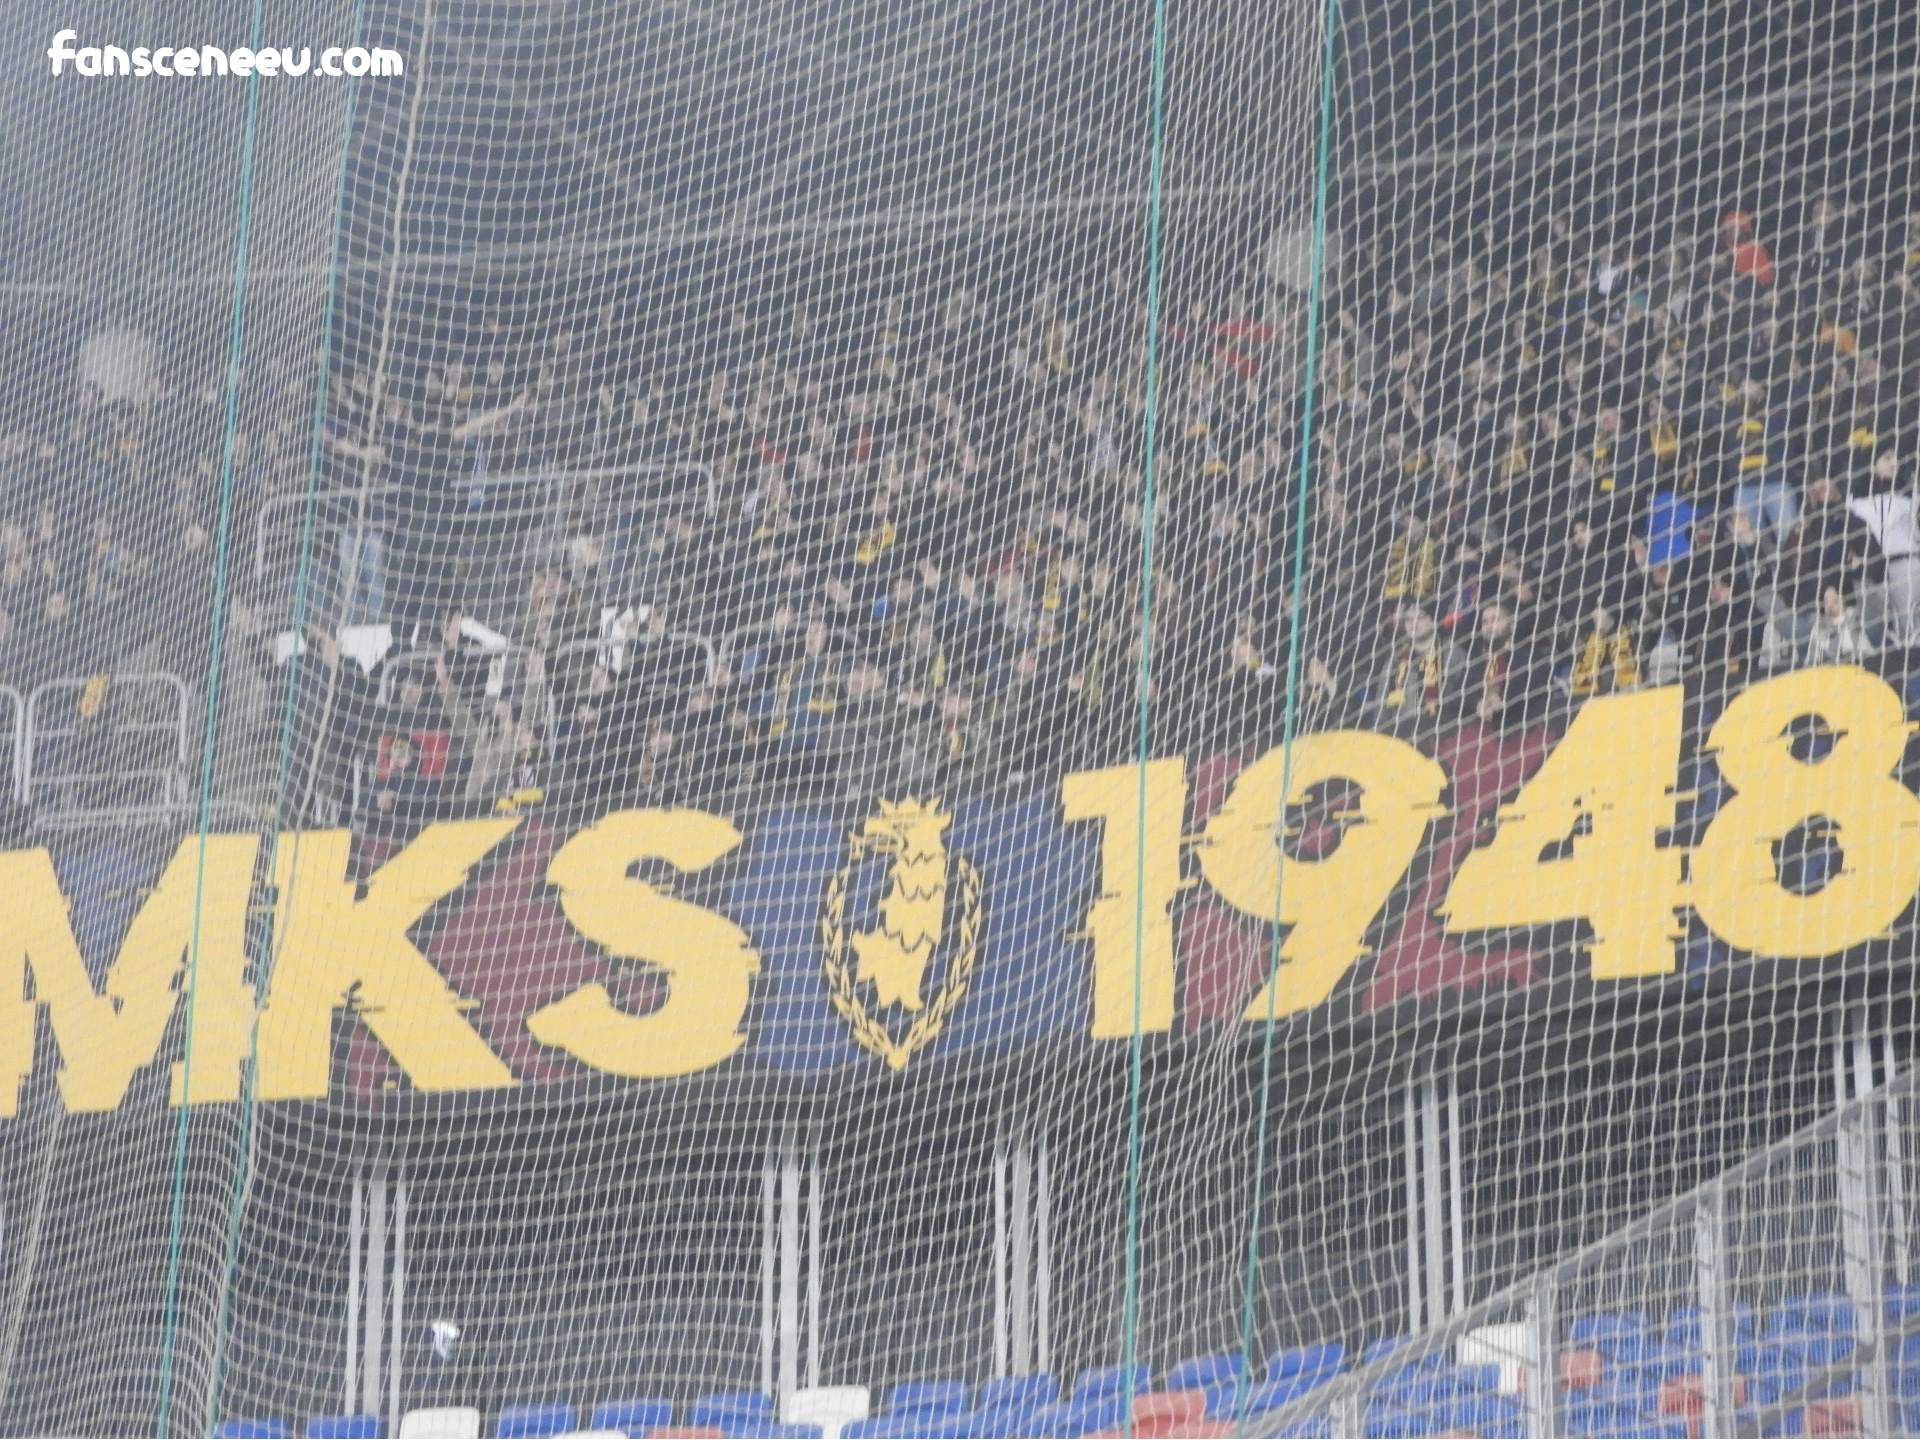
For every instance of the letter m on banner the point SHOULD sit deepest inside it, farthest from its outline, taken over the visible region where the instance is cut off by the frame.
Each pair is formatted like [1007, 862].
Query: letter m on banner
[105, 1037]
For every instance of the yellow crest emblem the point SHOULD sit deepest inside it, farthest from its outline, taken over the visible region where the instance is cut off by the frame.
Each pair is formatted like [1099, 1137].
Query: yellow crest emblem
[894, 958]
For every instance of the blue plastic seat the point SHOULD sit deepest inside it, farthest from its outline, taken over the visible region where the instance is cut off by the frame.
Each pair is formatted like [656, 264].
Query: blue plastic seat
[1105, 1381]
[534, 1422]
[1269, 1395]
[633, 1416]
[1002, 1422]
[1385, 1346]
[346, 1427]
[1028, 1392]
[927, 1397]
[1321, 1360]
[1832, 1313]
[1073, 1418]
[1469, 1378]
[252, 1430]
[769, 1430]
[1203, 1372]
[724, 1409]
[887, 1427]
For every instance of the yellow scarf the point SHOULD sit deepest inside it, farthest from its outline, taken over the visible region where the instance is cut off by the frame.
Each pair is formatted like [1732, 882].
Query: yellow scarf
[1601, 651]
[1410, 570]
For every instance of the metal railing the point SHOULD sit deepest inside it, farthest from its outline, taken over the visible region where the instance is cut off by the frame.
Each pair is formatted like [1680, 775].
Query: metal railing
[16, 736]
[1706, 1289]
[610, 485]
[53, 764]
[528, 520]
[749, 638]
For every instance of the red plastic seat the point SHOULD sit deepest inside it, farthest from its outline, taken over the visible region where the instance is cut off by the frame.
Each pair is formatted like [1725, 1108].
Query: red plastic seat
[1581, 1369]
[1829, 1418]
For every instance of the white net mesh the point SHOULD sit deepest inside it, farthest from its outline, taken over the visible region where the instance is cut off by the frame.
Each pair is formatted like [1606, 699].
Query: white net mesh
[781, 713]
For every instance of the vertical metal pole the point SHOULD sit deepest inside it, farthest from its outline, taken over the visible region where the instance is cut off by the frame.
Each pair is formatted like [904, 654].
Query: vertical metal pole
[1022, 1237]
[1718, 1343]
[396, 1349]
[1433, 1181]
[1896, 1139]
[1543, 1361]
[1043, 1262]
[766, 1273]
[1862, 1053]
[789, 1273]
[1456, 1210]
[999, 1260]
[356, 1222]
[1861, 1239]
[813, 1268]
[1415, 1287]
[374, 1323]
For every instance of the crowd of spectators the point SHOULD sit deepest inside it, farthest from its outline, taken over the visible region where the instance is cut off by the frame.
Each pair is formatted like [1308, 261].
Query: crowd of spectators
[837, 548]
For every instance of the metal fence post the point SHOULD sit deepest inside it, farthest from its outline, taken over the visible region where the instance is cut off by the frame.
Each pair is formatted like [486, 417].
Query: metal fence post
[1862, 1235]
[1718, 1340]
[1543, 1367]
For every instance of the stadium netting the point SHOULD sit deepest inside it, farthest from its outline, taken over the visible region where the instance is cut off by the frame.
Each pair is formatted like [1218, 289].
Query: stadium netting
[727, 715]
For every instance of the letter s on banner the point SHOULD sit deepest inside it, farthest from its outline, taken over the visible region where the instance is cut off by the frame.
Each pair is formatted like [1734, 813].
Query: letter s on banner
[1328, 903]
[709, 961]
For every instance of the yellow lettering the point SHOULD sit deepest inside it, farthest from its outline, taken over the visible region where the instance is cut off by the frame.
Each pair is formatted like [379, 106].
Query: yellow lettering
[106, 1037]
[1129, 923]
[1328, 903]
[334, 950]
[709, 960]
[1578, 842]
[1851, 790]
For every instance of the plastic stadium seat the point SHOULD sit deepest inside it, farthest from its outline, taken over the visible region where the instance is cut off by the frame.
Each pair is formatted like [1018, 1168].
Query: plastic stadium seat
[1826, 1418]
[1109, 1380]
[346, 1427]
[1468, 1378]
[1376, 1349]
[928, 1397]
[728, 1406]
[998, 1423]
[1154, 1414]
[252, 1430]
[890, 1427]
[1581, 1369]
[1028, 1392]
[445, 1422]
[534, 1422]
[1072, 1419]
[687, 1432]
[1203, 1371]
[633, 1417]
[829, 1407]
[771, 1430]
[1902, 1301]
[1321, 1360]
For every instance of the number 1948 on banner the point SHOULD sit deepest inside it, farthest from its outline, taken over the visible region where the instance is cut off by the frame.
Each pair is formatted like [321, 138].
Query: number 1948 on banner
[1589, 838]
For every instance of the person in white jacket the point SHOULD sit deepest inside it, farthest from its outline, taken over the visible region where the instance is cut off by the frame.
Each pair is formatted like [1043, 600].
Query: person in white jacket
[1838, 636]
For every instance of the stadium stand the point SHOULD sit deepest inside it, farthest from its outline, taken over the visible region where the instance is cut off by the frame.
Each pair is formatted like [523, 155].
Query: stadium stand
[858, 516]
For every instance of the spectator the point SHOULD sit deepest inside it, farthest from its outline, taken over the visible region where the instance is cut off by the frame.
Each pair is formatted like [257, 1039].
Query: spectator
[1837, 636]
[1605, 658]
[1421, 673]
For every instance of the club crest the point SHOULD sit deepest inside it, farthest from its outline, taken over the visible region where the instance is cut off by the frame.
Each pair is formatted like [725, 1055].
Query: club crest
[893, 959]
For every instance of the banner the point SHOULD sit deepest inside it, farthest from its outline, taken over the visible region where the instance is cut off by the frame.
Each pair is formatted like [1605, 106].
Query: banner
[655, 944]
